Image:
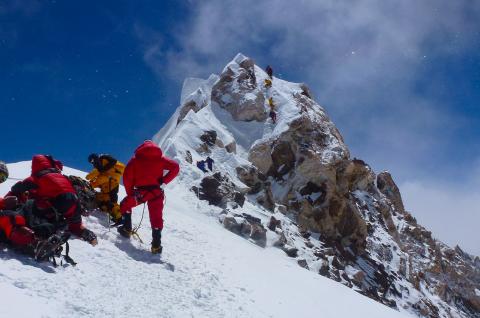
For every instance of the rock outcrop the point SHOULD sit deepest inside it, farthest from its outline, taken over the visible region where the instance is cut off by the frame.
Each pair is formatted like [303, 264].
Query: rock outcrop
[219, 190]
[237, 91]
[245, 225]
[388, 187]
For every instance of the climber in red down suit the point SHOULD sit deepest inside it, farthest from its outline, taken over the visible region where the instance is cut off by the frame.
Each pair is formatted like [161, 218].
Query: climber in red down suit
[55, 198]
[143, 178]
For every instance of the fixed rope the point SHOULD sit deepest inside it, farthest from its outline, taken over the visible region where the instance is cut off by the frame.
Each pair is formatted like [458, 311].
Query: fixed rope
[135, 230]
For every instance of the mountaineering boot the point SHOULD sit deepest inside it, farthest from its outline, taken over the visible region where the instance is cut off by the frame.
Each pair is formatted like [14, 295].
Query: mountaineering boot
[116, 215]
[156, 241]
[89, 236]
[125, 230]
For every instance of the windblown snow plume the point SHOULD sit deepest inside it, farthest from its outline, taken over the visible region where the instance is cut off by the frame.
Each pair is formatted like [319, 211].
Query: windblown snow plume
[291, 184]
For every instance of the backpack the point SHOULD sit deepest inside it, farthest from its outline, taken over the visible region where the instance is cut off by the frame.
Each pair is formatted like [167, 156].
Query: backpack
[86, 194]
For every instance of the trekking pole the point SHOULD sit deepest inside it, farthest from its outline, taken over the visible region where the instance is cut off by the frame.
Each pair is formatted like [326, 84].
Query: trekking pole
[108, 220]
[108, 212]
[198, 196]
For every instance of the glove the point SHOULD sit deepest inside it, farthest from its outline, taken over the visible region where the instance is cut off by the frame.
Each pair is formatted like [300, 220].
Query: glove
[89, 236]
[23, 186]
[10, 202]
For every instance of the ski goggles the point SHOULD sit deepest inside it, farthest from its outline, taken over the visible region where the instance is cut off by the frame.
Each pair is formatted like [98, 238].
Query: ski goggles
[3, 177]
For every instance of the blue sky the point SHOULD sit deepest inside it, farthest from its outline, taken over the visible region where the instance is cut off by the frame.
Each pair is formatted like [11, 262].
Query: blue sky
[74, 81]
[401, 79]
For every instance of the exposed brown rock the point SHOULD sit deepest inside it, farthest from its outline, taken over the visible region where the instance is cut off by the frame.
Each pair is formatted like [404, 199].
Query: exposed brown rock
[283, 159]
[218, 190]
[358, 278]
[249, 227]
[209, 137]
[259, 155]
[231, 147]
[238, 93]
[303, 263]
[291, 251]
[188, 106]
[324, 269]
[265, 198]
[387, 186]
[273, 223]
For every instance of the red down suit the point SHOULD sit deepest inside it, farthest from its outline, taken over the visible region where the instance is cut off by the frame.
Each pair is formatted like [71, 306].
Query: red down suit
[142, 179]
[52, 191]
[13, 229]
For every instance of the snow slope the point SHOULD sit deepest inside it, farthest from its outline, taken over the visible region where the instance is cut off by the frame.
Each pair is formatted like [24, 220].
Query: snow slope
[204, 271]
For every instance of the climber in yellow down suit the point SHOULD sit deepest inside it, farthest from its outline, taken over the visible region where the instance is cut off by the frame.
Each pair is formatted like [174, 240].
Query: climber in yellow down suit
[106, 176]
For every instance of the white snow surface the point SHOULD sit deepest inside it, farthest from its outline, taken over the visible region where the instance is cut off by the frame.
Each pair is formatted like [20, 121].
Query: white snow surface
[205, 271]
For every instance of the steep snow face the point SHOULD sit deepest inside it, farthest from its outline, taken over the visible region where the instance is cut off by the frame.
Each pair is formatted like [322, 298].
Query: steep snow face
[203, 272]
[291, 184]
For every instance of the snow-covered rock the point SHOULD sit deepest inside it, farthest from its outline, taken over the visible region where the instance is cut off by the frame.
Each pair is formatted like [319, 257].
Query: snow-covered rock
[331, 212]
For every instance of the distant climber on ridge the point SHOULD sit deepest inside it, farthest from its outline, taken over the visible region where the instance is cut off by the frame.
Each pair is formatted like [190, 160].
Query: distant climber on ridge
[210, 163]
[3, 172]
[201, 165]
[267, 83]
[273, 114]
[143, 178]
[9, 202]
[106, 175]
[269, 71]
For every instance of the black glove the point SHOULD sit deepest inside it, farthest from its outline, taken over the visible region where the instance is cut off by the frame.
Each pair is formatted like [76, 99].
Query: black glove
[10, 202]
[89, 236]
[23, 186]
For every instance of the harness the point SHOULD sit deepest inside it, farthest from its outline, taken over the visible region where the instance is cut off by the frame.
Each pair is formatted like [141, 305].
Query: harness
[138, 196]
[148, 188]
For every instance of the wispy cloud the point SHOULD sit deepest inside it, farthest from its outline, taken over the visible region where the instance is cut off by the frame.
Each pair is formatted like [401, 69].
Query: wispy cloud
[451, 210]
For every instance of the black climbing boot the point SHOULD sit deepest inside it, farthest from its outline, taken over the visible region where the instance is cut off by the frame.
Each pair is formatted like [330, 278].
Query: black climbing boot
[156, 241]
[125, 230]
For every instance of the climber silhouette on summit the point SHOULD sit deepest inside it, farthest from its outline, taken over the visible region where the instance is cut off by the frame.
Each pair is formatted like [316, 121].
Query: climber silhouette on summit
[269, 71]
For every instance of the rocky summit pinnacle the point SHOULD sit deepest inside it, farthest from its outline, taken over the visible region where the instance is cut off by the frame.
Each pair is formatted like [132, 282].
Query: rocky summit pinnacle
[283, 178]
